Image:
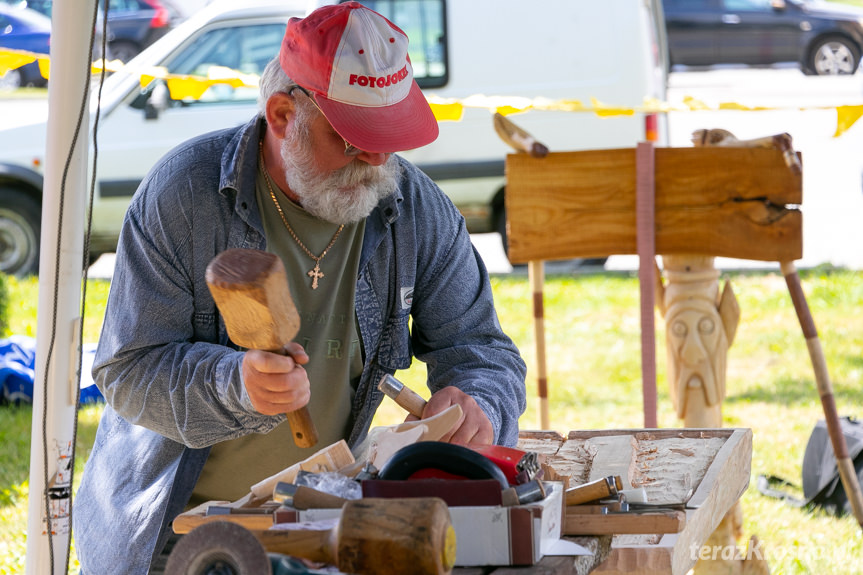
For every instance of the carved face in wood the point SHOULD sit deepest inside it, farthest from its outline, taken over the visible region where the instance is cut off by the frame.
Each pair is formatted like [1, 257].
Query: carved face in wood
[697, 348]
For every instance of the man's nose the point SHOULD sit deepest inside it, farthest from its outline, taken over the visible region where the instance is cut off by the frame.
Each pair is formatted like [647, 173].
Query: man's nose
[373, 158]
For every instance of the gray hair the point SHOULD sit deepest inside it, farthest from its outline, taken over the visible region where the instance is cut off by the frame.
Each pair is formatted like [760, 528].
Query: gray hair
[273, 81]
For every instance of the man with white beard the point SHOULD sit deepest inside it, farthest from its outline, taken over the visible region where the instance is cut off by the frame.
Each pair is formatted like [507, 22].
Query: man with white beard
[380, 266]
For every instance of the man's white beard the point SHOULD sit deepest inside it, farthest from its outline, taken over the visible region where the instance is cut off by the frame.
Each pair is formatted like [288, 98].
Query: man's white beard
[343, 196]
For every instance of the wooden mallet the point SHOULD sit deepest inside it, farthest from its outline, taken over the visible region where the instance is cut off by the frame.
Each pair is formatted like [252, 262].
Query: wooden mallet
[373, 536]
[250, 288]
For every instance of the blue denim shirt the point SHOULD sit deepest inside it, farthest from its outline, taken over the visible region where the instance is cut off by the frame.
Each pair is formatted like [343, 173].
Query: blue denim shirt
[172, 379]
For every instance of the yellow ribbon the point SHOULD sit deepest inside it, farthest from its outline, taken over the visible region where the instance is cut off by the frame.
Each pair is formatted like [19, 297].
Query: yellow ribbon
[184, 87]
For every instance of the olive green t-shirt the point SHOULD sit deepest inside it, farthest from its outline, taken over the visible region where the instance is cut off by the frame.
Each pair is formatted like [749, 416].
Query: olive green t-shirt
[328, 333]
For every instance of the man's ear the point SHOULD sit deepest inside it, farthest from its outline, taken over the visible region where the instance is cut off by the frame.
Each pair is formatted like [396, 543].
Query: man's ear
[279, 112]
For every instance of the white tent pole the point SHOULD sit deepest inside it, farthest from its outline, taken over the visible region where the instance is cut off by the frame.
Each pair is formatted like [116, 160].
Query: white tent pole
[62, 247]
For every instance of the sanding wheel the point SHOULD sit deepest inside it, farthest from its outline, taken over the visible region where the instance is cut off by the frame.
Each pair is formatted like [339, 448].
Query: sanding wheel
[218, 548]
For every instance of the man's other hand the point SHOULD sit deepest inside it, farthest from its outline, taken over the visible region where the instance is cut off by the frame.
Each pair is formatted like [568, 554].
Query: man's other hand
[473, 427]
[277, 383]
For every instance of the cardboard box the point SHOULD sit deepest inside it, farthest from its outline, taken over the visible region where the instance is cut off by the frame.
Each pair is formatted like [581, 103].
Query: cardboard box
[519, 535]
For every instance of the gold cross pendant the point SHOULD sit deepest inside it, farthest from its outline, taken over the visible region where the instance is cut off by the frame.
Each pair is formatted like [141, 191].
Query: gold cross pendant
[316, 274]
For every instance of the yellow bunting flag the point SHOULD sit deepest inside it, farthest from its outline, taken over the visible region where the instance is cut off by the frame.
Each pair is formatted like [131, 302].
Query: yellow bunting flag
[11, 59]
[44, 66]
[112, 66]
[846, 116]
[740, 107]
[604, 111]
[444, 109]
[182, 87]
[508, 110]
[447, 112]
[567, 106]
[694, 103]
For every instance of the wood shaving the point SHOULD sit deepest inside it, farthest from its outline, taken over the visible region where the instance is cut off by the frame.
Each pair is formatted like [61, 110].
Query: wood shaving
[670, 469]
[573, 460]
[635, 540]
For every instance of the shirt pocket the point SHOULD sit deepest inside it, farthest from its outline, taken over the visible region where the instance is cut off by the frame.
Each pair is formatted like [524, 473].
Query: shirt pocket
[395, 349]
[206, 326]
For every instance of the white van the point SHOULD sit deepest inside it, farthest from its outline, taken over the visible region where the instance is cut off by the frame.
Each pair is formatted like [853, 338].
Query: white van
[613, 51]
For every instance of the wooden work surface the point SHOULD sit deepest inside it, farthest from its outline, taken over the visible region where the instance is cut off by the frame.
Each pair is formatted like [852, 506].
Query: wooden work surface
[705, 471]
[580, 565]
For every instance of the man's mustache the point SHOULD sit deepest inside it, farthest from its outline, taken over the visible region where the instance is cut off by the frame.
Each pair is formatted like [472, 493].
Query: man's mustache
[359, 173]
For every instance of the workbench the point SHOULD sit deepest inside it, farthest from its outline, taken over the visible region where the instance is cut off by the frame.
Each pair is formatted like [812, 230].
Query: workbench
[656, 459]
[701, 472]
[580, 565]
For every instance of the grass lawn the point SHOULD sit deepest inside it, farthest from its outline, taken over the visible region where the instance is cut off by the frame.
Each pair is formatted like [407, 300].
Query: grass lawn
[592, 332]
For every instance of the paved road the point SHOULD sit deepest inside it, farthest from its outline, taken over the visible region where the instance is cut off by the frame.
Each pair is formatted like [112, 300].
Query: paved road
[833, 167]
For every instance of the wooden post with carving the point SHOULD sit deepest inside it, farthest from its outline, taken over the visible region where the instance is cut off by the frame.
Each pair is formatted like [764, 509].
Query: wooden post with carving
[740, 202]
[699, 327]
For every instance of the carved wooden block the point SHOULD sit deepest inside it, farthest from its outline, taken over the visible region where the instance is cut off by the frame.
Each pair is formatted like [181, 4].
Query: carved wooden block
[707, 470]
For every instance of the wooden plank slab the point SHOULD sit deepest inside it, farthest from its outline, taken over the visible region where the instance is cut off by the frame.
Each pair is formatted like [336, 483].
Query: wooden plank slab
[614, 456]
[660, 465]
[724, 484]
[197, 516]
[731, 202]
[621, 523]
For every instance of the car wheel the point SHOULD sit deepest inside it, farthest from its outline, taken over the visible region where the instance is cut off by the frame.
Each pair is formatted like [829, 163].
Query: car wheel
[20, 226]
[124, 51]
[590, 262]
[833, 55]
[11, 80]
[500, 227]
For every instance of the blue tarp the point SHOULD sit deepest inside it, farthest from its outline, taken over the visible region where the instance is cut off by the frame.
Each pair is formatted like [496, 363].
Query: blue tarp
[18, 366]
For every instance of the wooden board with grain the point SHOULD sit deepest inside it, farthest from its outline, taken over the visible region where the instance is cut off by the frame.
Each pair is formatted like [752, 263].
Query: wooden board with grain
[248, 514]
[730, 202]
[707, 469]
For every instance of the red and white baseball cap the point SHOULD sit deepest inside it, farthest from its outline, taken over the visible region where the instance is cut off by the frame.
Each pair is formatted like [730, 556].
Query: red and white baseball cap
[356, 63]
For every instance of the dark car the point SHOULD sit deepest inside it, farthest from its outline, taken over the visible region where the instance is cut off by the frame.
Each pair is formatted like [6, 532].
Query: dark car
[132, 24]
[43, 7]
[822, 37]
[24, 29]
[135, 24]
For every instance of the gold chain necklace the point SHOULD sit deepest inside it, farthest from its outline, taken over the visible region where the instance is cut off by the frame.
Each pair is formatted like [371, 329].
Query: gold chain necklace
[315, 273]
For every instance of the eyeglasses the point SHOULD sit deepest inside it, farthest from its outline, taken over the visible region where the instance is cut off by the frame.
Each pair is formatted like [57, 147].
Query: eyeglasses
[350, 149]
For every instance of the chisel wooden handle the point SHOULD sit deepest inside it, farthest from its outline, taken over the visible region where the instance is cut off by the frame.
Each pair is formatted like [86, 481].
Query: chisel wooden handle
[403, 395]
[250, 288]
[599, 489]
